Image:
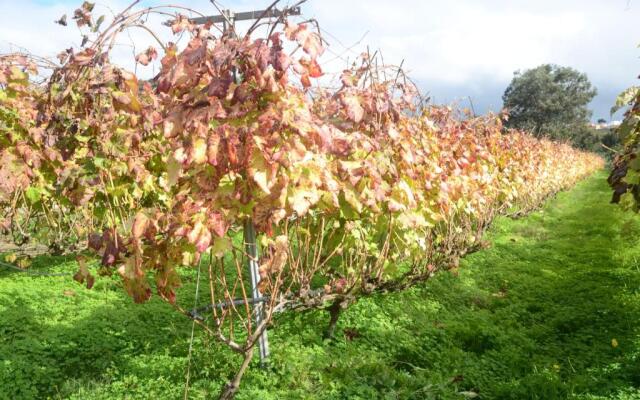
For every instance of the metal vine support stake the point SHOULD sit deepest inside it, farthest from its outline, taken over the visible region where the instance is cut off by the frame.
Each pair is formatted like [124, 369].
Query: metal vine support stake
[251, 248]
[228, 19]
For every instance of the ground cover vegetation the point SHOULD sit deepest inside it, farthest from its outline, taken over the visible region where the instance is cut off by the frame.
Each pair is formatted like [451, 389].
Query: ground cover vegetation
[534, 316]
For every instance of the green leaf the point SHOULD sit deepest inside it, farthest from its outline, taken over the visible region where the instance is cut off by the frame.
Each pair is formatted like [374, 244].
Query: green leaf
[97, 24]
[347, 211]
[173, 171]
[635, 164]
[627, 201]
[632, 177]
[352, 199]
[221, 246]
[33, 194]
[625, 98]
[99, 162]
[17, 75]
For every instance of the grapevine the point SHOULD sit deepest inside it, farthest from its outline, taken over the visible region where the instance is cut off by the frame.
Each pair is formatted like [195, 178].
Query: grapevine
[353, 191]
[625, 175]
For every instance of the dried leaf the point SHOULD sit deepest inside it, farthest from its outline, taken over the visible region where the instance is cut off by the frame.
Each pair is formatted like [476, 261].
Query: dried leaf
[62, 21]
[352, 106]
[147, 56]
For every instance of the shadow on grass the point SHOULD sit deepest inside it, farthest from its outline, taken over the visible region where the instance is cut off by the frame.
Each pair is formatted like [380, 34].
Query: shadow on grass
[59, 340]
[40, 265]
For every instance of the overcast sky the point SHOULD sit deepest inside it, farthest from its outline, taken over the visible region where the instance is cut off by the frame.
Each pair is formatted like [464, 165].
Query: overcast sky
[453, 49]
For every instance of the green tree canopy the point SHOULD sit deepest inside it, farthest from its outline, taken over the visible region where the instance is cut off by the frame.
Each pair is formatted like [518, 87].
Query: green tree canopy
[549, 100]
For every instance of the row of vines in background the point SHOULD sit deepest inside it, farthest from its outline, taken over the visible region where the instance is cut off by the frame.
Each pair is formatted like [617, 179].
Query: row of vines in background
[354, 190]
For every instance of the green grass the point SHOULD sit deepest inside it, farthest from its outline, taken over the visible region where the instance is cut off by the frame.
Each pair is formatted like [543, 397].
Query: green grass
[532, 317]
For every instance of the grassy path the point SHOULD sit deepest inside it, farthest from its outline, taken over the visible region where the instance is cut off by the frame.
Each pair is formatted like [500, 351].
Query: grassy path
[550, 311]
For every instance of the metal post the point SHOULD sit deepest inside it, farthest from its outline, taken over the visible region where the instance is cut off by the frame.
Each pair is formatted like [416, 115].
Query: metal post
[246, 16]
[251, 247]
[252, 253]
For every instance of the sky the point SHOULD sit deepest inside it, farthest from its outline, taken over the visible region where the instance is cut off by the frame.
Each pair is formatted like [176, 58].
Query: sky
[461, 52]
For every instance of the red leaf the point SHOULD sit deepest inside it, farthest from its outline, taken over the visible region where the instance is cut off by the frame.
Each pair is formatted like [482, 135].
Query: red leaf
[180, 24]
[85, 57]
[309, 41]
[172, 124]
[312, 67]
[306, 83]
[282, 61]
[83, 273]
[147, 56]
[203, 241]
[95, 241]
[217, 224]
[140, 224]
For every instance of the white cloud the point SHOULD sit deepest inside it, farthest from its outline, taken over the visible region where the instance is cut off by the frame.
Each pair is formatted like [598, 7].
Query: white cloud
[468, 46]
[30, 26]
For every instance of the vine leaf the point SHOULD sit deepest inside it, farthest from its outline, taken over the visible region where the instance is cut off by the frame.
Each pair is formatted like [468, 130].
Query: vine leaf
[147, 56]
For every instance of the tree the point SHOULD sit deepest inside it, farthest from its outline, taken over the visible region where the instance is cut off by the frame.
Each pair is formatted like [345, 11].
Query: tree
[549, 100]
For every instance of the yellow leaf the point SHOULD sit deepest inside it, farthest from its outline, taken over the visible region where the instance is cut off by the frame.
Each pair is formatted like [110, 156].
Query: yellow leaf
[259, 172]
[260, 178]
[199, 151]
[614, 343]
[188, 258]
[300, 200]
[24, 263]
[140, 224]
